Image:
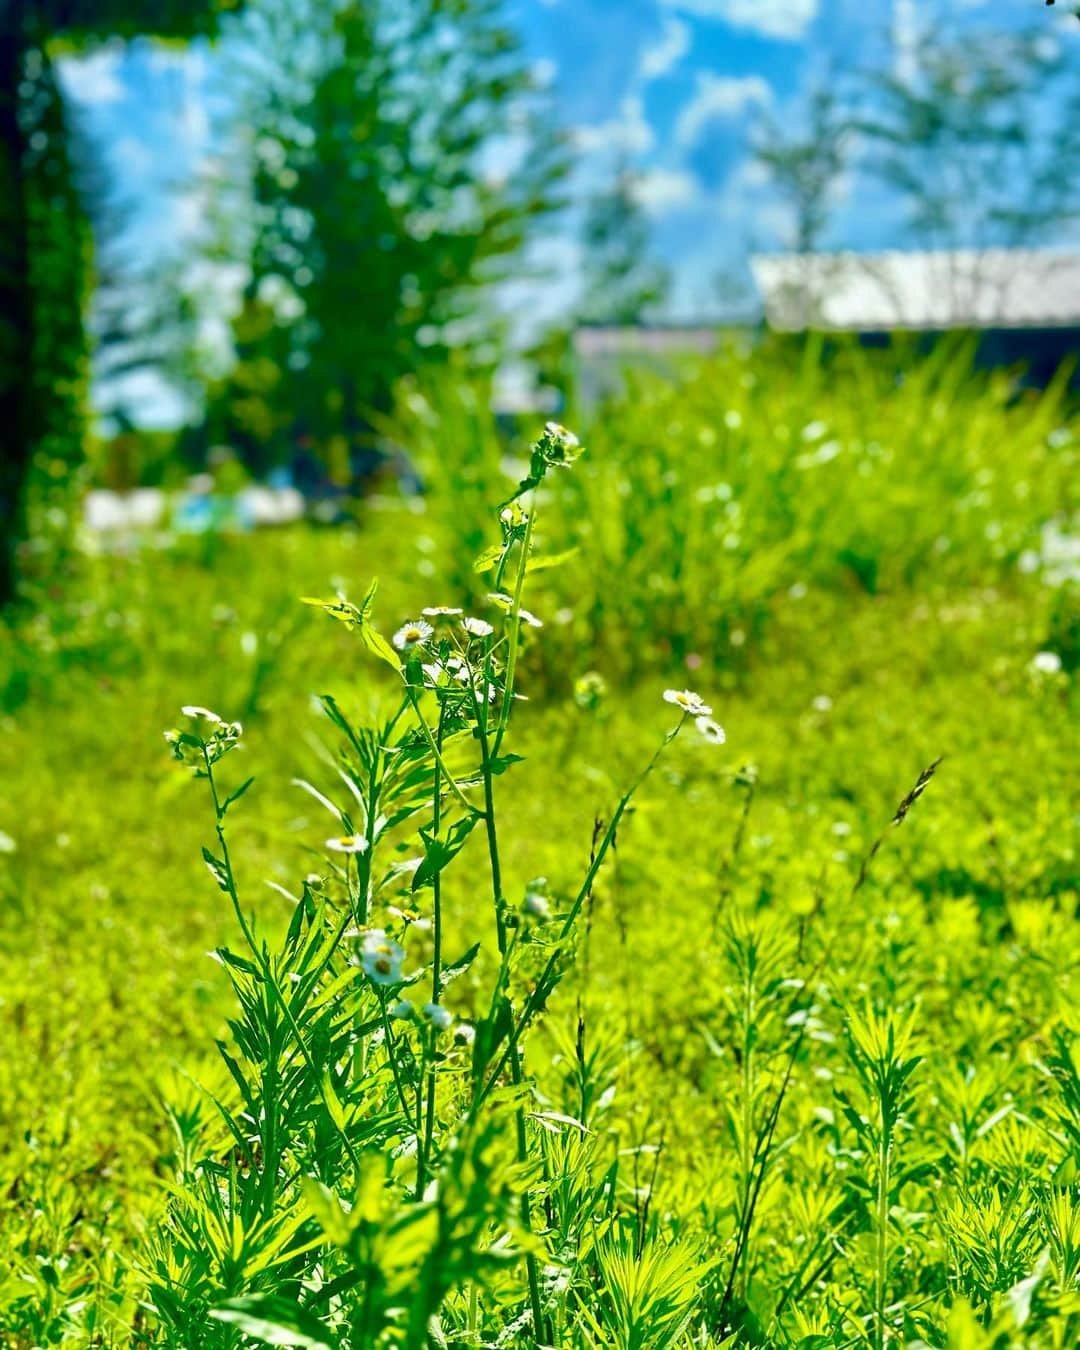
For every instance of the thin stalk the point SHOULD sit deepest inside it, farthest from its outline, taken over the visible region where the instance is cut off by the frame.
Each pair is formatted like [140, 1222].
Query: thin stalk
[426, 732]
[545, 983]
[500, 927]
[263, 960]
[881, 1236]
[515, 628]
[436, 969]
[392, 1056]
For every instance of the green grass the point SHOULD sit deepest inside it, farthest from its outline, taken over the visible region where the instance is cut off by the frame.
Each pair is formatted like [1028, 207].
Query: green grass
[820, 1112]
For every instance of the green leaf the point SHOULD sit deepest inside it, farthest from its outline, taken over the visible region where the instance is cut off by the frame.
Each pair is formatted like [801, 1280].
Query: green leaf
[217, 869]
[460, 966]
[439, 852]
[546, 560]
[489, 558]
[500, 763]
[229, 958]
[376, 643]
[274, 1321]
[341, 610]
[235, 796]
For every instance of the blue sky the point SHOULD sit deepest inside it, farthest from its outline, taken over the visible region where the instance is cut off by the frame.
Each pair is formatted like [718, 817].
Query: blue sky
[674, 86]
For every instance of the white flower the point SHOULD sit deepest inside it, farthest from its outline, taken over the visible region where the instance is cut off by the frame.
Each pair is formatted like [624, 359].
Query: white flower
[477, 627]
[688, 701]
[347, 843]
[442, 611]
[821, 703]
[537, 905]
[412, 635]
[403, 1010]
[560, 433]
[193, 710]
[506, 602]
[1046, 663]
[465, 1033]
[712, 731]
[381, 958]
[410, 916]
[439, 1017]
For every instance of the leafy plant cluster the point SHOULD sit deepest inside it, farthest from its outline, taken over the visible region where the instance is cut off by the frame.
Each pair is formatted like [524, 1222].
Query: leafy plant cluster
[649, 1040]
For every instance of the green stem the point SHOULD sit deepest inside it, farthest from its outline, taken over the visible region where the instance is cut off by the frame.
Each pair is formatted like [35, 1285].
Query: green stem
[436, 971]
[426, 732]
[546, 982]
[263, 960]
[516, 1073]
[881, 1255]
[515, 628]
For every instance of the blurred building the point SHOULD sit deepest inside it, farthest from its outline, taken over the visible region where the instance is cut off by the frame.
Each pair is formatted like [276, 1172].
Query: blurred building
[1024, 303]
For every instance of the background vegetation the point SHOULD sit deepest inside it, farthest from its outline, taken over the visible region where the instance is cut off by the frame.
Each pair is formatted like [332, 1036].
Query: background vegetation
[731, 942]
[573, 1013]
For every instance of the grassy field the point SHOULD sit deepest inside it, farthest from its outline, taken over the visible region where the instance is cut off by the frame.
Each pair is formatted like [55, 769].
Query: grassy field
[789, 1074]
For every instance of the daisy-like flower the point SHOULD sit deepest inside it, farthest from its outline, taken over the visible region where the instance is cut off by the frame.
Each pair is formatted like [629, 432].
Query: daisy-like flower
[403, 1010]
[194, 710]
[442, 611]
[347, 843]
[381, 957]
[1046, 663]
[476, 627]
[688, 701]
[412, 635]
[440, 1018]
[536, 905]
[559, 446]
[408, 916]
[712, 731]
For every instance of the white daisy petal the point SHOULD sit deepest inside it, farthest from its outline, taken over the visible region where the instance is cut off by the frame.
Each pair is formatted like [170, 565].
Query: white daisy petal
[412, 635]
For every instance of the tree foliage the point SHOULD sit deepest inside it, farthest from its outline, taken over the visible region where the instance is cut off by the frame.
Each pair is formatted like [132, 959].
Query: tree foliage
[44, 242]
[622, 282]
[397, 169]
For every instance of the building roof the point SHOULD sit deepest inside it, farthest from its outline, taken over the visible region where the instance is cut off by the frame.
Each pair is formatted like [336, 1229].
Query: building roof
[868, 292]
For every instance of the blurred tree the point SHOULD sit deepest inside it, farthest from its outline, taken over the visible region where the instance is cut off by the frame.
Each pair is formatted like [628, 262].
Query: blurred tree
[621, 281]
[805, 165]
[806, 162]
[43, 239]
[979, 133]
[141, 315]
[398, 166]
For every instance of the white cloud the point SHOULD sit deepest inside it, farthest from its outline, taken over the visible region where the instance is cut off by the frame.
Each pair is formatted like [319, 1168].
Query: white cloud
[627, 134]
[784, 19]
[905, 39]
[661, 190]
[663, 55]
[545, 72]
[717, 96]
[133, 157]
[93, 79]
